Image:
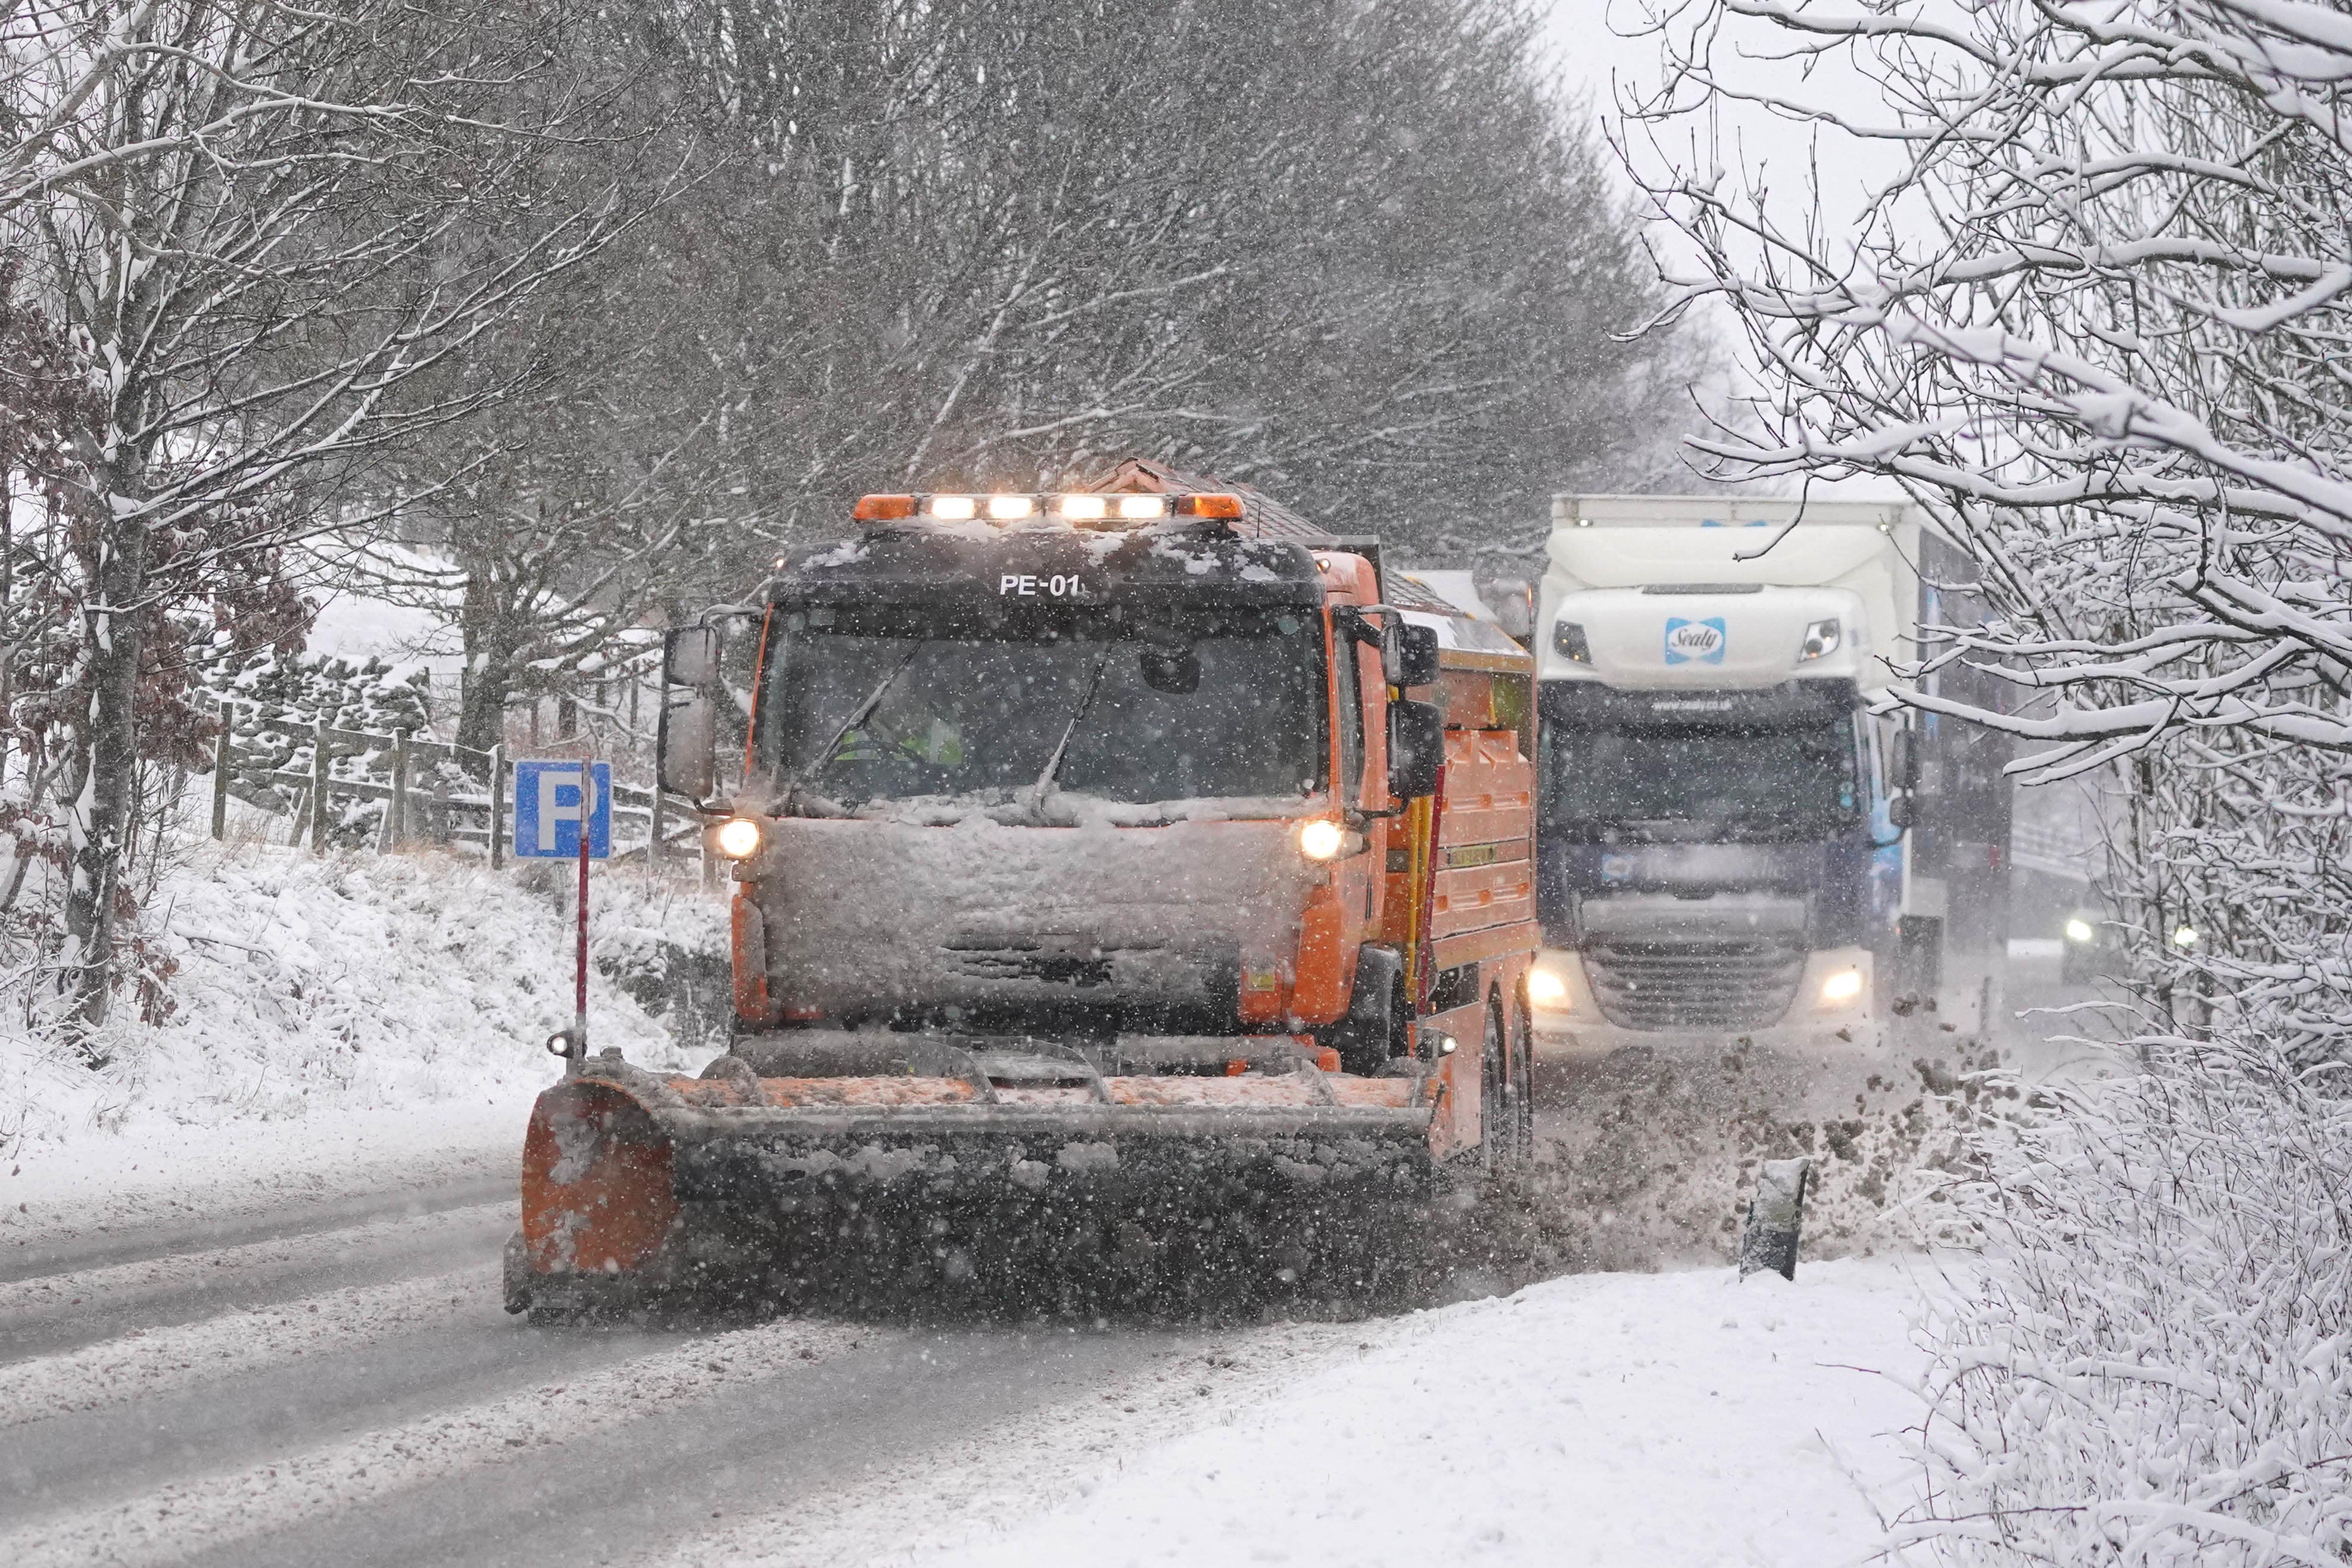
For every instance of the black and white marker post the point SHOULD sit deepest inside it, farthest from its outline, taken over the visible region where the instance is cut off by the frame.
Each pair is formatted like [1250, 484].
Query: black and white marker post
[1776, 1216]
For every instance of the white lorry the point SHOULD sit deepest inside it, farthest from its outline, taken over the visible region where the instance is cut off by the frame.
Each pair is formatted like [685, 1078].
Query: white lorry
[1729, 843]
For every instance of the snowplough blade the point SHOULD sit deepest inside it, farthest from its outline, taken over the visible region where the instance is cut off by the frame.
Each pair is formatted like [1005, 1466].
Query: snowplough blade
[637, 1188]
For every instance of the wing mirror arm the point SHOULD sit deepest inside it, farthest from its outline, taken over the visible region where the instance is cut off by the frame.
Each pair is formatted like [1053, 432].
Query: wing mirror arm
[1408, 652]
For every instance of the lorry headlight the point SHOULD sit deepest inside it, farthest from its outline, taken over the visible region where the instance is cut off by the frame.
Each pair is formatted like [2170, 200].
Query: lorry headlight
[1841, 987]
[1568, 641]
[1321, 839]
[2079, 929]
[1822, 639]
[738, 838]
[1545, 988]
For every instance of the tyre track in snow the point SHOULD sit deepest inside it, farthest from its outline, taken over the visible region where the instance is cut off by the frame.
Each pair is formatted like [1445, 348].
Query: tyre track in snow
[147, 1364]
[179, 1519]
[356, 1395]
[51, 1313]
[107, 1243]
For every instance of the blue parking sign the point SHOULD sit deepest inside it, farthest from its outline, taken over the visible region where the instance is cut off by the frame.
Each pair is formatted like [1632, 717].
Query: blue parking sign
[547, 810]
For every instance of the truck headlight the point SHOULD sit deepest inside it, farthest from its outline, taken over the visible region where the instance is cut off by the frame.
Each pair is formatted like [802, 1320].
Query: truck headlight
[2079, 929]
[1568, 641]
[1822, 640]
[1841, 987]
[738, 838]
[1321, 839]
[1546, 988]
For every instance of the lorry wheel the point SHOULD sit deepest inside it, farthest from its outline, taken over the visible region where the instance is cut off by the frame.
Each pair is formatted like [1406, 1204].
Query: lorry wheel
[1497, 1111]
[1523, 1051]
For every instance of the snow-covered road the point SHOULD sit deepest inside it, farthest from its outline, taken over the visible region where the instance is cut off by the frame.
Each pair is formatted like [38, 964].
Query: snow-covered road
[346, 1390]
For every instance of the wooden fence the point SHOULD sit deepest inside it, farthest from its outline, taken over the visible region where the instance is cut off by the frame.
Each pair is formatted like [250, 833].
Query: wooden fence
[433, 792]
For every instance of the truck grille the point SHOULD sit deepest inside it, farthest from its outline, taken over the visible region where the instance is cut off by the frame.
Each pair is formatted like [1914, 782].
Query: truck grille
[1055, 960]
[1695, 985]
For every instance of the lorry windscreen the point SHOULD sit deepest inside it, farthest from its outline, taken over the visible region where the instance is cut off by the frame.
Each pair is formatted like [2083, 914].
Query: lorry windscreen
[1711, 781]
[863, 703]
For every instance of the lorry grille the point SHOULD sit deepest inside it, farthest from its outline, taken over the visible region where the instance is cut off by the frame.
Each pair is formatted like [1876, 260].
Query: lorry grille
[1695, 985]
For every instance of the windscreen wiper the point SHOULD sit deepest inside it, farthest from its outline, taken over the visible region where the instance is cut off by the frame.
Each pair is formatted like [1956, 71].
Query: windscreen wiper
[1078, 712]
[862, 712]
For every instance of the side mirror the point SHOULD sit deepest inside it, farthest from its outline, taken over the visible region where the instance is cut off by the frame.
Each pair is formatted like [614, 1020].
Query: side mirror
[690, 656]
[1898, 810]
[1408, 655]
[686, 760]
[1416, 748]
[1514, 601]
[1903, 760]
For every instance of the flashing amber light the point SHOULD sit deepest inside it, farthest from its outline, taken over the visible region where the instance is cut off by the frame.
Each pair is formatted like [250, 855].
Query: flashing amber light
[1004, 507]
[884, 509]
[1136, 508]
[1215, 504]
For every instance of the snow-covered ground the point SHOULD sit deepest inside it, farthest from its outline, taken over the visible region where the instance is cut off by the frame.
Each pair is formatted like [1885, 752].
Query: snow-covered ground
[340, 1024]
[1667, 1420]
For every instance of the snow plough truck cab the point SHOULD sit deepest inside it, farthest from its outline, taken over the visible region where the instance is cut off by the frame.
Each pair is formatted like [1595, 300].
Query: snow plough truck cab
[1112, 868]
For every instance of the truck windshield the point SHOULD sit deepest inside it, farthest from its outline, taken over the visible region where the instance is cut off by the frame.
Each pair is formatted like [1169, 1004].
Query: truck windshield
[862, 704]
[1700, 782]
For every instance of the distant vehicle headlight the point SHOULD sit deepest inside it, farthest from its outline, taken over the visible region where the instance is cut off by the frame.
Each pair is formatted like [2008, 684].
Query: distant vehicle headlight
[738, 838]
[1321, 839]
[2080, 930]
[1841, 987]
[2184, 936]
[1546, 988]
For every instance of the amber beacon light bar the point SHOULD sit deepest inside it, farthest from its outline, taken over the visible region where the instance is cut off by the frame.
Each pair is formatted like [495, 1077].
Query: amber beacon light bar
[1077, 508]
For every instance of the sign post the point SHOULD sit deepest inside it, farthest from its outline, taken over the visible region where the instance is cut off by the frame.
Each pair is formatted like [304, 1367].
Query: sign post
[563, 811]
[579, 1051]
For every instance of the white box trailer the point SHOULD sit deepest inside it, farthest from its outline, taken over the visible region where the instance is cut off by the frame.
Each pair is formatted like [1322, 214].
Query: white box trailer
[1727, 844]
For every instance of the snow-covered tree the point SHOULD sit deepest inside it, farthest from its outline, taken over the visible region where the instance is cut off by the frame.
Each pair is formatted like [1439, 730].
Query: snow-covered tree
[1363, 255]
[2093, 317]
[246, 239]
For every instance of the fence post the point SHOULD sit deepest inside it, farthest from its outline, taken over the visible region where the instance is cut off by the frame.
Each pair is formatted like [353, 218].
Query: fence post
[497, 805]
[321, 770]
[394, 831]
[222, 756]
[653, 840]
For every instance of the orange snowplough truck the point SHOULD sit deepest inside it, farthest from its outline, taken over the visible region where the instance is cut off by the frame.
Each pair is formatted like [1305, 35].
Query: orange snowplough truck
[1135, 870]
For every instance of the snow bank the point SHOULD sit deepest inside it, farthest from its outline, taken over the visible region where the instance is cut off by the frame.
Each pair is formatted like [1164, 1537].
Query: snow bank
[1626, 1420]
[340, 1016]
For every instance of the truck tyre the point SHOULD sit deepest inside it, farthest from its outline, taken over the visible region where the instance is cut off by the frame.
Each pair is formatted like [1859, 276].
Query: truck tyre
[1498, 1112]
[1523, 1051]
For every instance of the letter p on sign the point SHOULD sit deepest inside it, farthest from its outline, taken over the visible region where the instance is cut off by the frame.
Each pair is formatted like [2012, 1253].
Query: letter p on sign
[547, 810]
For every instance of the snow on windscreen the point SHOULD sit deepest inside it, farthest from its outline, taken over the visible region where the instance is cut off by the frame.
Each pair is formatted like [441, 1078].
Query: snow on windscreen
[886, 704]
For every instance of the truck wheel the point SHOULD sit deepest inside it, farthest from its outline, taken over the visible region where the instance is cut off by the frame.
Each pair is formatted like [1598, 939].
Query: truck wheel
[1498, 1114]
[1523, 1051]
